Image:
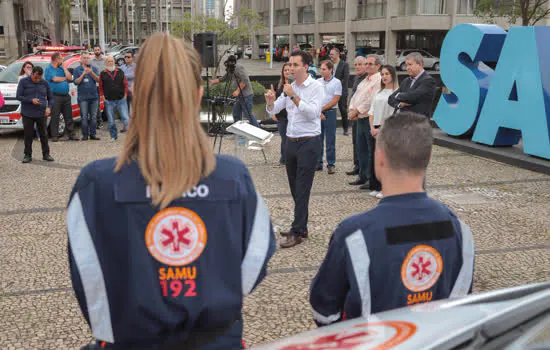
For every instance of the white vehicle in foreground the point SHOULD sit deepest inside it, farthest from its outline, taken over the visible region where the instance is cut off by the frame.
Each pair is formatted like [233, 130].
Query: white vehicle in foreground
[509, 319]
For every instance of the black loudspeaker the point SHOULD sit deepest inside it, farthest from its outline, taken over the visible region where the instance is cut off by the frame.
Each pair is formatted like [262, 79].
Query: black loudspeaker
[206, 46]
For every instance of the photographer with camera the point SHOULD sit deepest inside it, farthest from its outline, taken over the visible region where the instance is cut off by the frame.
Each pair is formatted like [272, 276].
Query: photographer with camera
[88, 98]
[241, 87]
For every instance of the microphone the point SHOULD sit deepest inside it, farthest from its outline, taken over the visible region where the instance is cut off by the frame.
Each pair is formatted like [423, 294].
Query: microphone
[290, 80]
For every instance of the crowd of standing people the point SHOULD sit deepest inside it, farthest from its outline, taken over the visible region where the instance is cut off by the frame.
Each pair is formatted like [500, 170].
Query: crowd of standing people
[45, 93]
[190, 230]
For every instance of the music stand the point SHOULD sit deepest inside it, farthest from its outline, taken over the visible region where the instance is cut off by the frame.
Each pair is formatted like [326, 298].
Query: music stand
[254, 134]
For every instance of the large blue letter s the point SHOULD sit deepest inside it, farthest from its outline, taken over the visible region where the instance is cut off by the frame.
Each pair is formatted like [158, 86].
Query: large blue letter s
[464, 73]
[518, 103]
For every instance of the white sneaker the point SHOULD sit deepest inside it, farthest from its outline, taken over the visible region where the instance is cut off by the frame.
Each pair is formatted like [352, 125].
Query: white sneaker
[113, 140]
[373, 193]
[379, 195]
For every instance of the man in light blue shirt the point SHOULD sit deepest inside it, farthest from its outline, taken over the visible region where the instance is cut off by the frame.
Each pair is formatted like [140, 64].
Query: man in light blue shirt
[58, 77]
[303, 102]
[333, 92]
[129, 69]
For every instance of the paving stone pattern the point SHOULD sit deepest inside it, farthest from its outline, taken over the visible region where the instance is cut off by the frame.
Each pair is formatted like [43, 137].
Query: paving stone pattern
[506, 207]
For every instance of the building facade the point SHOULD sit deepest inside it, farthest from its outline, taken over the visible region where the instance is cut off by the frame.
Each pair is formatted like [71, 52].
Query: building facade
[133, 23]
[388, 25]
[23, 23]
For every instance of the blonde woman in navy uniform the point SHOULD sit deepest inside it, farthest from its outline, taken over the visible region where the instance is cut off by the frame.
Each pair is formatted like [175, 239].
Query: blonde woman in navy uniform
[166, 239]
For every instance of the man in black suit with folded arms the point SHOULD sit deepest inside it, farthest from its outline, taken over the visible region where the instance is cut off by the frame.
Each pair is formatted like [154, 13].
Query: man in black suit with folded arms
[416, 93]
[341, 72]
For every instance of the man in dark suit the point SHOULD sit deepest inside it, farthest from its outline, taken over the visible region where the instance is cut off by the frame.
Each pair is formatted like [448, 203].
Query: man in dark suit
[341, 72]
[416, 93]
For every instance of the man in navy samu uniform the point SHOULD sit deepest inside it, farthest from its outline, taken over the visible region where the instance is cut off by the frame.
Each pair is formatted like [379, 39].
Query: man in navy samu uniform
[409, 249]
[148, 279]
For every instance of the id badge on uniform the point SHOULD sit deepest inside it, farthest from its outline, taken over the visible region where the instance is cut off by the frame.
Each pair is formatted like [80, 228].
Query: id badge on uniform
[86, 80]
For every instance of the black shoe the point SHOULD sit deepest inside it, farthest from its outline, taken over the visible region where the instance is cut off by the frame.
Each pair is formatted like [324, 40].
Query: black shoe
[331, 170]
[289, 233]
[84, 138]
[47, 158]
[27, 159]
[357, 182]
[95, 138]
[319, 168]
[346, 133]
[366, 186]
[353, 172]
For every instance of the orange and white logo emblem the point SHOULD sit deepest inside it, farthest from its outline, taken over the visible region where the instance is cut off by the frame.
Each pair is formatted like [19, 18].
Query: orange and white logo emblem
[421, 268]
[176, 236]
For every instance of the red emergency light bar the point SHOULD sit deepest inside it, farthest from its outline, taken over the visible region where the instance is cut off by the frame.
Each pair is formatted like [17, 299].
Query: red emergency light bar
[60, 48]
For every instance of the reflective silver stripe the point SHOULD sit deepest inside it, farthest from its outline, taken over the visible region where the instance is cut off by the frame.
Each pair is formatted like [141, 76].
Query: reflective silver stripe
[258, 246]
[91, 275]
[361, 261]
[325, 319]
[465, 276]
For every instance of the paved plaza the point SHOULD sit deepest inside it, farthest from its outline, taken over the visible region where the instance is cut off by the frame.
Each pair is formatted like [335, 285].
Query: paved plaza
[506, 207]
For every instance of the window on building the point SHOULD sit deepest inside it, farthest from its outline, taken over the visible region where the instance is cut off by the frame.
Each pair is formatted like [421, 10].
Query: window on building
[466, 7]
[1, 29]
[335, 11]
[282, 17]
[433, 7]
[407, 7]
[306, 14]
[372, 9]
[2, 52]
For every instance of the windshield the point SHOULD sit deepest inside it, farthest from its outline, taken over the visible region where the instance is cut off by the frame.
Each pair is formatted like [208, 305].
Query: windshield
[10, 74]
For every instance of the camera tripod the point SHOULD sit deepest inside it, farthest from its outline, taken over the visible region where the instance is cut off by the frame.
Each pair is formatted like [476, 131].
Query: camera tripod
[219, 103]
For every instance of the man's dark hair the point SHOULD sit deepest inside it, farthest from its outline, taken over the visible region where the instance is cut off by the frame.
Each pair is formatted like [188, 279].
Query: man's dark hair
[406, 139]
[131, 53]
[328, 63]
[55, 56]
[99, 47]
[38, 70]
[306, 57]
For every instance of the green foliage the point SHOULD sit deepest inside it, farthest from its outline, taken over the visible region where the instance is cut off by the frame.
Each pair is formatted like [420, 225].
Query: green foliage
[529, 11]
[219, 89]
[259, 89]
[249, 24]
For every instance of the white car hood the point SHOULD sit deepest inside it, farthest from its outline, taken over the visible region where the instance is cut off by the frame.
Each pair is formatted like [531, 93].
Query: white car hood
[435, 325]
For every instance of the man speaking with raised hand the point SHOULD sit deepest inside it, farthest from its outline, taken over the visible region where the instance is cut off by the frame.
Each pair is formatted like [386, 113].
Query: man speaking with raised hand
[303, 102]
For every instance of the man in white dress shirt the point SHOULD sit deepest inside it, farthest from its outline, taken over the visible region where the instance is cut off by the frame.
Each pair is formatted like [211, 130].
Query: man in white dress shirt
[303, 101]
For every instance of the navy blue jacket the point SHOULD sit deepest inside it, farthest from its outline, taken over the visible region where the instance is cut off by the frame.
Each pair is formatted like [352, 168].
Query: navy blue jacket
[146, 278]
[27, 90]
[409, 249]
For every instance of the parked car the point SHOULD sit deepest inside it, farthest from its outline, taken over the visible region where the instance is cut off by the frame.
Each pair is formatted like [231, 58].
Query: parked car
[508, 319]
[430, 61]
[119, 57]
[248, 52]
[10, 113]
[2, 67]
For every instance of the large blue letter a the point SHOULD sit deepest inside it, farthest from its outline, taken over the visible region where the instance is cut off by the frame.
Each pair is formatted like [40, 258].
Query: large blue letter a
[518, 103]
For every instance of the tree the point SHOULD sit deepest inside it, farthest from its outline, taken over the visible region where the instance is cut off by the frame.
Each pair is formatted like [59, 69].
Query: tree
[529, 11]
[249, 24]
[65, 16]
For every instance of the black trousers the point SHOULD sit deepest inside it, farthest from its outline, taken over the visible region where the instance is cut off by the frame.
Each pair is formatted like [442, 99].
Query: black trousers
[354, 141]
[375, 185]
[301, 159]
[343, 107]
[28, 133]
[62, 105]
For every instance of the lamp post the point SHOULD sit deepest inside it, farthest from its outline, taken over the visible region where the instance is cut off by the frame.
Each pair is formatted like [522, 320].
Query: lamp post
[101, 24]
[271, 34]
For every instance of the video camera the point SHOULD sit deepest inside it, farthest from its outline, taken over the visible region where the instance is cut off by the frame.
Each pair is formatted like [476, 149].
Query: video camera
[230, 64]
